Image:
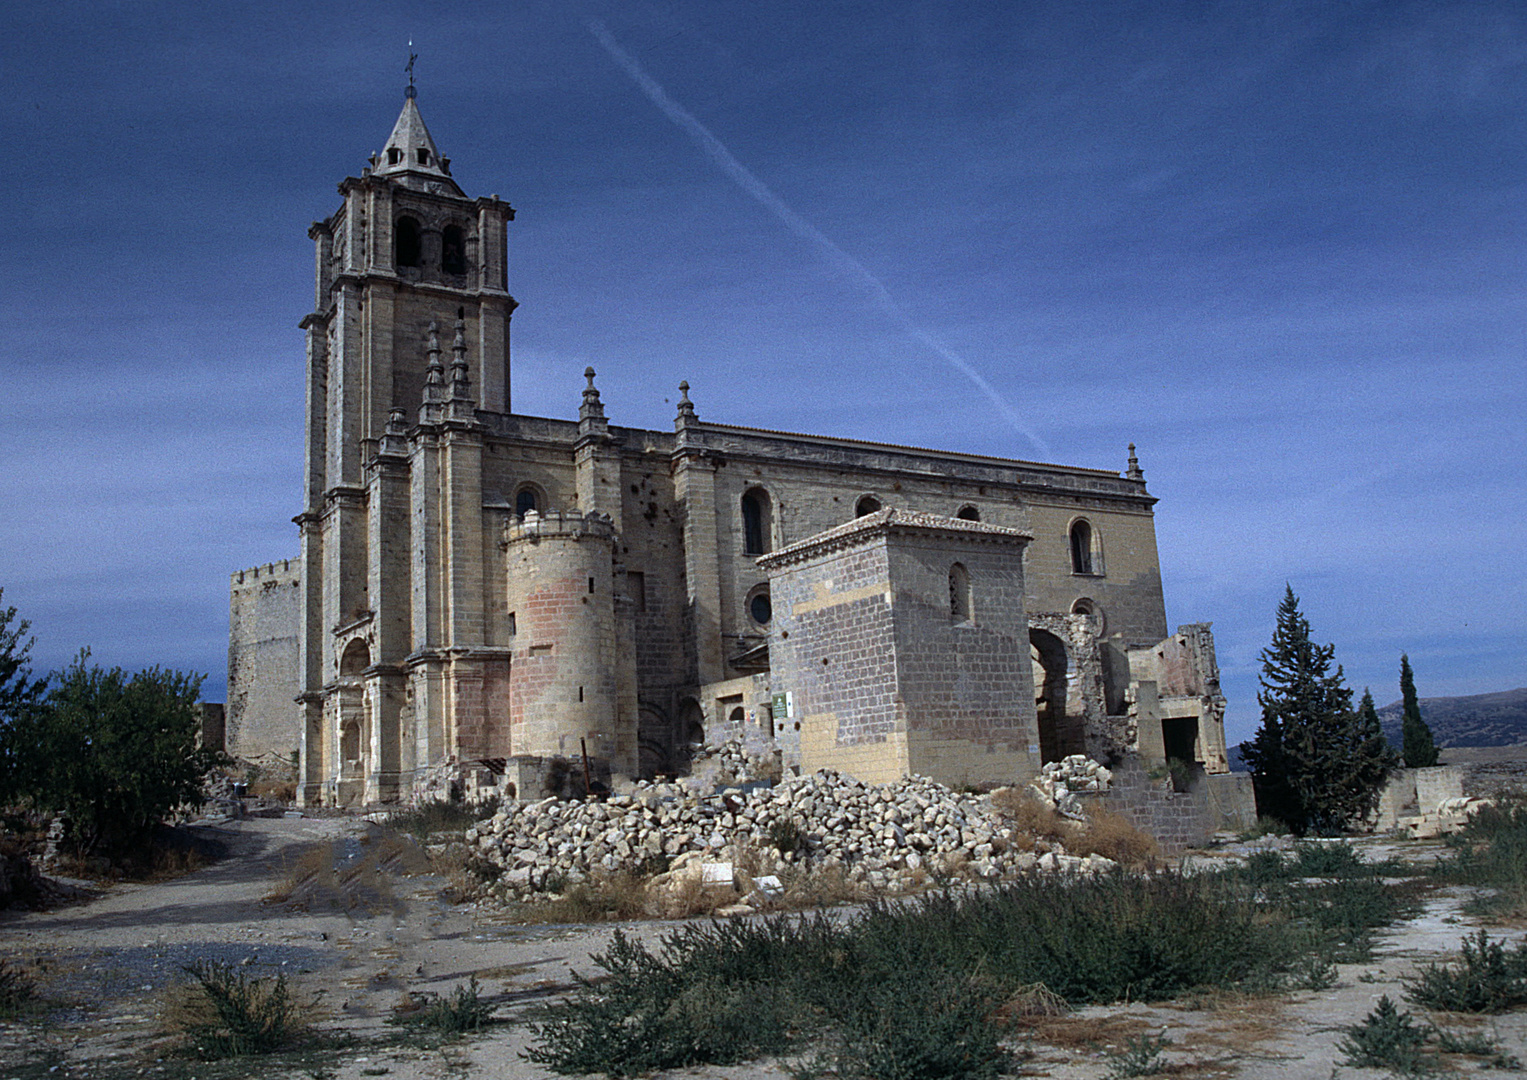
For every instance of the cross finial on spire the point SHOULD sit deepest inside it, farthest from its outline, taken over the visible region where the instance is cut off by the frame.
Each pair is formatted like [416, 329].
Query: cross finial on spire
[409, 67]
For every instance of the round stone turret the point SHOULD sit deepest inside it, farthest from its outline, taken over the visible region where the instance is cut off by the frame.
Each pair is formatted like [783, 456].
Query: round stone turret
[564, 675]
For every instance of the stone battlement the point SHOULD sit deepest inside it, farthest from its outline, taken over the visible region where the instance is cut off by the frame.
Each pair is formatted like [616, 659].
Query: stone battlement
[570, 523]
[284, 570]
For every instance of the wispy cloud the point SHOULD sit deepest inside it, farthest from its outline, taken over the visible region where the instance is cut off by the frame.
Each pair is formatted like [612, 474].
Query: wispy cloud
[842, 261]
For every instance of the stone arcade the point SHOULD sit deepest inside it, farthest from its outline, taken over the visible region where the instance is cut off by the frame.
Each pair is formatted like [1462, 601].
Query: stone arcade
[483, 596]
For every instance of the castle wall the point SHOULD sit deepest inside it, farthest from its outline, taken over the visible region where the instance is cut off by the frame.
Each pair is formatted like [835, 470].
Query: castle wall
[264, 611]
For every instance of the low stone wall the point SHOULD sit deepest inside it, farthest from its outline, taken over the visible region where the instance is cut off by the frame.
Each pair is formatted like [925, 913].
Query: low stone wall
[1179, 819]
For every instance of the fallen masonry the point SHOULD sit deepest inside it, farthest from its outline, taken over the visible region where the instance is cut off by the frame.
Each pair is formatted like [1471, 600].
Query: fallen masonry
[885, 838]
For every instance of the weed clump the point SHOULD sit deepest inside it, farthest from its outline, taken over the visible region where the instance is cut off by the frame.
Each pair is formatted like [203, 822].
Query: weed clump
[229, 1014]
[460, 1012]
[423, 821]
[1490, 851]
[1486, 979]
[1113, 836]
[17, 991]
[1387, 1039]
[1141, 1056]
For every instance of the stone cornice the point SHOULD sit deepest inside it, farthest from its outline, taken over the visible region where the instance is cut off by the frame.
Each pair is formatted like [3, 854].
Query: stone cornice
[882, 524]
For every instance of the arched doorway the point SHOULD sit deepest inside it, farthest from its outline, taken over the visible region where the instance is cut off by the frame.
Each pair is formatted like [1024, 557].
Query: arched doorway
[1048, 656]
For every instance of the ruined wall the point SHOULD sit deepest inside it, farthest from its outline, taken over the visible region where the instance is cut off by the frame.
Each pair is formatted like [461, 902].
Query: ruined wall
[264, 611]
[1179, 819]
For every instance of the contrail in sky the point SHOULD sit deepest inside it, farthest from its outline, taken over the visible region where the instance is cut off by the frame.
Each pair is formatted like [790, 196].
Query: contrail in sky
[842, 260]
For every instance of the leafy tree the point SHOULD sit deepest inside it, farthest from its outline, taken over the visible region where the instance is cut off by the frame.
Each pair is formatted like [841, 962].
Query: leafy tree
[1418, 746]
[20, 695]
[1316, 764]
[117, 753]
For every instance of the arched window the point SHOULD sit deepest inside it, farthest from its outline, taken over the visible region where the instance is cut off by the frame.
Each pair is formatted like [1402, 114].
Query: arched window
[867, 505]
[756, 522]
[969, 513]
[1088, 607]
[525, 500]
[356, 658]
[1086, 551]
[959, 594]
[408, 239]
[453, 250]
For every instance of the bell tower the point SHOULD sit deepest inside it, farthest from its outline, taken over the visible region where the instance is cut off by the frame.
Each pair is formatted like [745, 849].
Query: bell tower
[406, 252]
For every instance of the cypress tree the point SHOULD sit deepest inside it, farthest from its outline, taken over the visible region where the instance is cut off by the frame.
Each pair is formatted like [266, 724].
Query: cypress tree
[1419, 748]
[1317, 765]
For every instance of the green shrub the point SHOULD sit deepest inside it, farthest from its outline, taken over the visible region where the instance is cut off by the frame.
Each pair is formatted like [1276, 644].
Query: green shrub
[1486, 979]
[236, 1015]
[1141, 1056]
[910, 990]
[786, 835]
[423, 821]
[17, 991]
[1477, 1044]
[461, 1011]
[1386, 1039]
[1490, 851]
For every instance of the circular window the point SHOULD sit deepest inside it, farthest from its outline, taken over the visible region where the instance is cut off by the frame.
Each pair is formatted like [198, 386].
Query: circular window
[760, 608]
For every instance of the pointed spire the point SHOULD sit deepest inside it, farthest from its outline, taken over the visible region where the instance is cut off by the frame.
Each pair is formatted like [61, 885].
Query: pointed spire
[463, 408]
[436, 370]
[410, 155]
[430, 410]
[591, 421]
[461, 379]
[1134, 472]
[592, 408]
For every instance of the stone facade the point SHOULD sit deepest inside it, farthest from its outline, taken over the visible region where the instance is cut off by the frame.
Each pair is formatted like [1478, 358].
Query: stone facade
[494, 593]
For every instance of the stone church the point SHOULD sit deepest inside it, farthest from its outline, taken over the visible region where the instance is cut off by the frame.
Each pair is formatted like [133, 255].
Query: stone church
[485, 599]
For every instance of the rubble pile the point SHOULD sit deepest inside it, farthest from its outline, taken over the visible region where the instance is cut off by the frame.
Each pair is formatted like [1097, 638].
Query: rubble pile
[1059, 782]
[732, 762]
[887, 837]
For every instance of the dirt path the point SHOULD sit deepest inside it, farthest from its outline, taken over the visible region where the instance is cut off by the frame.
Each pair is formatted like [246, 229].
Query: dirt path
[356, 951]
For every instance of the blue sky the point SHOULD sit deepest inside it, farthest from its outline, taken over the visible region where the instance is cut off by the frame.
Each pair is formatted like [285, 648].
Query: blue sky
[1278, 246]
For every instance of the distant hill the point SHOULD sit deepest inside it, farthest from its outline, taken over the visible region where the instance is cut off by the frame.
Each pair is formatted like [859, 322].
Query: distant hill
[1498, 719]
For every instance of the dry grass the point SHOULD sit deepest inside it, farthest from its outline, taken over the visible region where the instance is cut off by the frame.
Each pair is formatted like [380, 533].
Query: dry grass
[1113, 836]
[618, 897]
[1035, 821]
[350, 876]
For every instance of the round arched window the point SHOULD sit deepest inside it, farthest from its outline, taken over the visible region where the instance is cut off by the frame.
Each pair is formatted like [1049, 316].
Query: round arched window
[760, 607]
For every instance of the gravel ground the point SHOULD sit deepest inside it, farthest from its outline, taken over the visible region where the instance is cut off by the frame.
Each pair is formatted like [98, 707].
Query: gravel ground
[109, 963]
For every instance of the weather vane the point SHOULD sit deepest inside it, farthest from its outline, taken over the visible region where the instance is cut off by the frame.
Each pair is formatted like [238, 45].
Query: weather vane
[412, 56]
